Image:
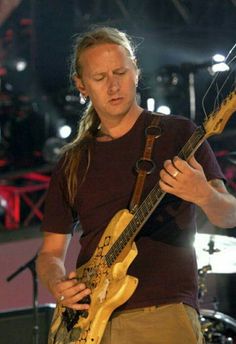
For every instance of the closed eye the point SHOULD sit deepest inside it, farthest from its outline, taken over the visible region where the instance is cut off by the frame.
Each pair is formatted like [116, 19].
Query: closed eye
[99, 77]
[120, 71]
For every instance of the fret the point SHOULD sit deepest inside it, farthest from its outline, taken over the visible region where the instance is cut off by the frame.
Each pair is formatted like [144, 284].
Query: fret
[192, 143]
[96, 273]
[155, 196]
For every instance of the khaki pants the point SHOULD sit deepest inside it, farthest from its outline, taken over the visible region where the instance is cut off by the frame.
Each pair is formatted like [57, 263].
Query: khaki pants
[168, 324]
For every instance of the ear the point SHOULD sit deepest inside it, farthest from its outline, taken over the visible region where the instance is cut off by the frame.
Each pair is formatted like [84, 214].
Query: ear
[80, 85]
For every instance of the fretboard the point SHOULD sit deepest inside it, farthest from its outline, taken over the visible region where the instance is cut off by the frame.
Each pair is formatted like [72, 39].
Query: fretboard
[144, 211]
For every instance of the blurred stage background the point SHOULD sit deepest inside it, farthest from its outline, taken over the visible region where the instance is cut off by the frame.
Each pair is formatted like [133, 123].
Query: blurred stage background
[39, 112]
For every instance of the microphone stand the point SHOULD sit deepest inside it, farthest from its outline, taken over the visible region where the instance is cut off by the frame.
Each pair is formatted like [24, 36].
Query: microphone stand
[31, 266]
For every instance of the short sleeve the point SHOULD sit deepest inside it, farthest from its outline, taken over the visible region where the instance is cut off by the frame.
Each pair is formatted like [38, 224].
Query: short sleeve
[58, 215]
[206, 157]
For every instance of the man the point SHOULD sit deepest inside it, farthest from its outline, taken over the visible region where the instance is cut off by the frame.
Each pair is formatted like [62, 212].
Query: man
[96, 178]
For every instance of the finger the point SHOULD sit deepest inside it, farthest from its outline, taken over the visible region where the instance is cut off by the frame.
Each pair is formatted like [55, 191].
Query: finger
[73, 288]
[167, 178]
[80, 300]
[74, 291]
[72, 275]
[78, 306]
[167, 164]
[166, 187]
[179, 163]
[66, 288]
[80, 297]
[194, 164]
[187, 167]
[66, 285]
[171, 169]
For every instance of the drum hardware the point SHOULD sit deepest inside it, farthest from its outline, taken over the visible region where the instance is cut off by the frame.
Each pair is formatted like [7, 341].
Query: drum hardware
[215, 254]
[202, 289]
[211, 247]
[218, 328]
[218, 251]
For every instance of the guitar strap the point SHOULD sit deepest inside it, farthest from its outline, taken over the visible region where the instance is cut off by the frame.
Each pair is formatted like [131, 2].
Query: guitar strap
[145, 165]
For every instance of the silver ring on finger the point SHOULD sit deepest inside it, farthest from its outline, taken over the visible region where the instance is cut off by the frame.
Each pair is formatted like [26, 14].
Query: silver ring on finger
[61, 298]
[175, 173]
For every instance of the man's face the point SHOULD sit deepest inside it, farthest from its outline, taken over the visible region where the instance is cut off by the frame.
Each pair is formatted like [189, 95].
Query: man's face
[109, 78]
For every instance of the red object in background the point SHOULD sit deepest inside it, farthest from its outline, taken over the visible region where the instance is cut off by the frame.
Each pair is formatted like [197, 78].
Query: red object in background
[31, 192]
[3, 71]
[26, 21]
[3, 162]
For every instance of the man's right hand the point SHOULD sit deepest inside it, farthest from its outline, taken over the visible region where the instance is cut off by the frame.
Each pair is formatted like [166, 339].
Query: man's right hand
[70, 293]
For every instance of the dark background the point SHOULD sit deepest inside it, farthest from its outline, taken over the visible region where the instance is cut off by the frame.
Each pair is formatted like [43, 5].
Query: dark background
[174, 38]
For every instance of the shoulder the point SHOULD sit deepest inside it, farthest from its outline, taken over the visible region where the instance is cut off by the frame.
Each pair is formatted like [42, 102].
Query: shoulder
[174, 123]
[58, 174]
[179, 119]
[176, 128]
[59, 167]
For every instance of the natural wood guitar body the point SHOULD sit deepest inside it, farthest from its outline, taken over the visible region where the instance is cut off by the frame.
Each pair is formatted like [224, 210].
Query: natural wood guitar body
[110, 287]
[105, 272]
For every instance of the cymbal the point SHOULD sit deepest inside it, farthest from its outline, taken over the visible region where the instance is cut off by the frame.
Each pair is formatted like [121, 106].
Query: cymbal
[218, 251]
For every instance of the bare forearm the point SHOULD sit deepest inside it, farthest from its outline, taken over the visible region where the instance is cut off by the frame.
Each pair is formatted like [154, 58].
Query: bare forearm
[50, 270]
[220, 208]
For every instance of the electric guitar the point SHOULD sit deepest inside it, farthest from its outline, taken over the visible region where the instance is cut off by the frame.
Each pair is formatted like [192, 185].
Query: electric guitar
[106, 272]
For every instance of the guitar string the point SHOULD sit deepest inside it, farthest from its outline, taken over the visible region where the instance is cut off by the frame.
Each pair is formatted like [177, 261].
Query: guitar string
[214, 80]
[143, 211]
[149, 204]
[219, 90]
[132, 228]
[152, 199]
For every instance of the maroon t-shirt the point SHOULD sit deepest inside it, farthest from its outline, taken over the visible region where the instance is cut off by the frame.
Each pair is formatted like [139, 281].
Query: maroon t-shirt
[166, 261]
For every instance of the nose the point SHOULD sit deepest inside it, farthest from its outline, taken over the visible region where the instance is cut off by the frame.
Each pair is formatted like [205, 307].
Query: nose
[113, 84]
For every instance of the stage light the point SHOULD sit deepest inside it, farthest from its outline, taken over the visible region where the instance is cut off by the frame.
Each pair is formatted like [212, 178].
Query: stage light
[52, 149]
[3, 202]
[220, 67]
[219, 64]
[8, 86]
[20, 65]
[71, 98]
[164, 109]
[151, 104]
[169, 76]
[64, 131]
[3, 205]
[218, 58]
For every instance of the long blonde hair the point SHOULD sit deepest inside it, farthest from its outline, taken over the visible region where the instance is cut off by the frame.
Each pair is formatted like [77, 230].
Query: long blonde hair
[90, 121]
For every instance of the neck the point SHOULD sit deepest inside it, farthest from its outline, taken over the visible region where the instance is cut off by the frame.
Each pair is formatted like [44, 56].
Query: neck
[102, 136]
[117, 127]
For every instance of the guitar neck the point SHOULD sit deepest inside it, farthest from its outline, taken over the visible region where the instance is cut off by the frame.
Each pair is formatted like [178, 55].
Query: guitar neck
[150, 203]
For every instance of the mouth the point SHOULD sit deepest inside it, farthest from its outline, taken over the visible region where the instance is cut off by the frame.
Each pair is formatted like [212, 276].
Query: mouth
[116, 100]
